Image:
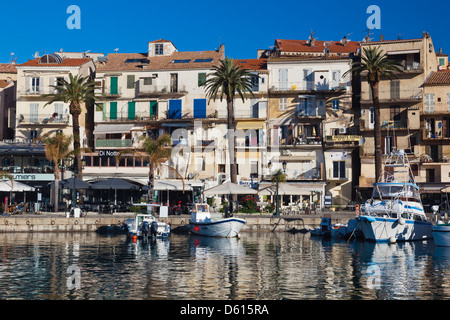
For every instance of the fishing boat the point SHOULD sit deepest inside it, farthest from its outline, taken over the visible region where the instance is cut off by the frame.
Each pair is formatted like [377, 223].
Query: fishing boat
[324, 230]
[202, 224]
[395, 211]
[144, 224]
[441, 234]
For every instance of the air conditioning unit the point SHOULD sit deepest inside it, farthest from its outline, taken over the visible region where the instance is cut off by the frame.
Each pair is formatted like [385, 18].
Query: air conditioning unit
[221, 178]
[155, 75]
[286, 152]
[211, 125]
[342, 130]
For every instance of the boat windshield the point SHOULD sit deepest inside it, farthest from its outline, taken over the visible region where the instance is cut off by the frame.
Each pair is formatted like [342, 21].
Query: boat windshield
[395, 190]
[200, 208]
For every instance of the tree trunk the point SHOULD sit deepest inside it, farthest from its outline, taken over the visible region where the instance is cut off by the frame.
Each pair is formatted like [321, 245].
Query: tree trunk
[231, 124]
[75, 111]
[151, 184]
[377, 131]
[56, 194]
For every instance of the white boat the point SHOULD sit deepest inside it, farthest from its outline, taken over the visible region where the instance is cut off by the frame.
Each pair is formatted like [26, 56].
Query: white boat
[202, 224]
[145, 224]
[395, 211]
[441, 234]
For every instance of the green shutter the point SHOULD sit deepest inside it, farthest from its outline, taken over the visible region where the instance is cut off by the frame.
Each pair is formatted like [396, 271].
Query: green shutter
[153, 108]
[131, 110]
[201, 79]
[130, 81]
[113, 110]
[114, 88]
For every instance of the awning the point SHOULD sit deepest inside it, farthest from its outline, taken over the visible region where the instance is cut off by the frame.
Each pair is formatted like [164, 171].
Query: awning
[404, 51]
[113, 128]
[175, 124]
[288, 189]
[229, 188]
[250, 125]
[5, 186]
[171, 186]
[114, 183]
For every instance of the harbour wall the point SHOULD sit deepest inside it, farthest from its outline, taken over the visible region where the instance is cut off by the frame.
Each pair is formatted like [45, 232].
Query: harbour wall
[59, 223]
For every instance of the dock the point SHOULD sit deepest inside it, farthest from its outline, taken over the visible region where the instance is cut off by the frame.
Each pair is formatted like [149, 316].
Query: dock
[57, 222]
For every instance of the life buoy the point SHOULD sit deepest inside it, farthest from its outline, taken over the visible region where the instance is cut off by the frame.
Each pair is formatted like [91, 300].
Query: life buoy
[96, 221]
[76, 222]
[53, 222]
[6, 222]
[28, 222]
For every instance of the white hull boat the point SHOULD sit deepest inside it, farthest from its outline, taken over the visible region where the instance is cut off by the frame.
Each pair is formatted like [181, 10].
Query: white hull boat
[201, 223]
[146, 225]
[395, 211]
[441, 234]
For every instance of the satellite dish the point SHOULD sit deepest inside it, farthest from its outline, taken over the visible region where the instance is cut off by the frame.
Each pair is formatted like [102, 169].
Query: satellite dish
[61, 50]
[116, 49]
[36, 54]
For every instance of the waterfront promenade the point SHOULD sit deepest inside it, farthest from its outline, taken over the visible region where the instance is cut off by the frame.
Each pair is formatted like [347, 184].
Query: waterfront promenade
[57, 222]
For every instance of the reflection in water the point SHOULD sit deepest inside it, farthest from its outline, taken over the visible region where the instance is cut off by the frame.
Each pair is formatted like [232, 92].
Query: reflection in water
[258, 266]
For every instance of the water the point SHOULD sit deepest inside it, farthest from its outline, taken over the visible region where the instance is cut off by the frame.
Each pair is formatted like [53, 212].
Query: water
[258, 266]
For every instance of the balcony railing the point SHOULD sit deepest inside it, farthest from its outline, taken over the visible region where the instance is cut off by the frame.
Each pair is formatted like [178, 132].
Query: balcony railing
[113, 143]
[47, 119]
[308, 86]
[145, 90]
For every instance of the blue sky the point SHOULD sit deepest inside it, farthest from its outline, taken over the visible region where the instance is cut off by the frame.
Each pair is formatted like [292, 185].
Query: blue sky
[243, 26]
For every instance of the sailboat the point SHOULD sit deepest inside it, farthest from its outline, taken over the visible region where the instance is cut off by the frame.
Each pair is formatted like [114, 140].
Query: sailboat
[395, 211]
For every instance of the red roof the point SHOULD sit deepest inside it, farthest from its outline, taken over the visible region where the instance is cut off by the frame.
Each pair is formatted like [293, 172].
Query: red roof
[252, 64]
[7, 68]
[66, 62]
[441, 77]
[303, 46]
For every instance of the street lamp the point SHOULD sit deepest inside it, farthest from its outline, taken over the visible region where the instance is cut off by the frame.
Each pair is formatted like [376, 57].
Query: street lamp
[284, 164]
[70, 164]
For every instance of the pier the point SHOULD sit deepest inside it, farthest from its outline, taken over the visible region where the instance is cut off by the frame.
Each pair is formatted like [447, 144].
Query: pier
[57, 222]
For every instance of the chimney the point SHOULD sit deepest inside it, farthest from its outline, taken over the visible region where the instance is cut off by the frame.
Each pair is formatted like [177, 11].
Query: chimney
[381, 37]
[222, 48]
[440, 50]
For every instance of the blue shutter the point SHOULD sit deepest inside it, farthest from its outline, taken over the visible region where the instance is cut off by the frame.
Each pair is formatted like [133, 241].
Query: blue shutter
[199, 108]
[174, 109]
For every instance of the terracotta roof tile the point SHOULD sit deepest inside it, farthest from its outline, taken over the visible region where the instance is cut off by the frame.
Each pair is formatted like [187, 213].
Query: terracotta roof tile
[252, 64]
[7, 68]
[302, 46]
[441, 77]
[4, 84]
[67, 62]
[176, 61]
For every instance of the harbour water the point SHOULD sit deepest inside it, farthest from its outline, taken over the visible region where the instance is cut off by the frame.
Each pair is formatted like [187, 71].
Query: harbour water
[81, 266]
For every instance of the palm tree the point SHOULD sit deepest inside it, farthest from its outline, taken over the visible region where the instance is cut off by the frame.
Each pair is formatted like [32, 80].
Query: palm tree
[229, 80]
[156, 152]
[57, 149]
[77, 91]
[377, 65]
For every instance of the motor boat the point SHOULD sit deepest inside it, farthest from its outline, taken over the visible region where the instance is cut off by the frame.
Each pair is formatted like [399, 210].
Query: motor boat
[395, 211]
[145, 224]
[324, 230]
[441, 234]
[202, 224]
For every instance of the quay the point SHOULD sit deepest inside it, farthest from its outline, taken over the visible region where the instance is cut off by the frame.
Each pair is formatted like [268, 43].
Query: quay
[57, 222]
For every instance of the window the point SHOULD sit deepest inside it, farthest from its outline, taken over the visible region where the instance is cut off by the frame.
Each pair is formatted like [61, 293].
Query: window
[442, 61]
[255, 83]
[308, 78]
[35, 85]
[181, 61]
[174, 82]
[283, 79]
[395, 89]
[335, 104]
[147, 81]
[130, 81]
[59, 110]
[388, 144]
[283, 103]
[335, 78]
[201, 79]
[34, 112]
[33, 134]
[429, 102]
[221, 168]
[254, 169]
[203, 60]
[338, 169]
[159, 49]
[448, 102]
[371, 118]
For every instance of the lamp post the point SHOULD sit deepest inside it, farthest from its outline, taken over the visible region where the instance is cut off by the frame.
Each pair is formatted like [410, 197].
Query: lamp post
[70, 164]
[284, 164]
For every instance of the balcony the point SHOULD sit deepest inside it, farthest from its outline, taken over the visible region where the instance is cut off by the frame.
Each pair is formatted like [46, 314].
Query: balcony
[113, 143]
[308, 86]
[43, 119]
[147, 91]
[109, 92]
[400, 97]
[343, 140]
[124, 116]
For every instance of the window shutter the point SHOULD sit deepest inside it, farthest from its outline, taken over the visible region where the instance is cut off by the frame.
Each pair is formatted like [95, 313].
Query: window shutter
[130, 81]
[201, 79]
[113, 110]
[342, 169]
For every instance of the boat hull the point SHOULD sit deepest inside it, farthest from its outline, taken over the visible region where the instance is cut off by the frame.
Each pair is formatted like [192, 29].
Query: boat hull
[441, 235]
[389, 229]
[225, 228]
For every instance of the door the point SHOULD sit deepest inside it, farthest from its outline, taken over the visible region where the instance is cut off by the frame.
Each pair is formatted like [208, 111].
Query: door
[114, 88]
[174, 82]
[283, 79]
[174, 109]
[153, 109]
[199, 108]
[113, 110]
[34, 112]
[131, 110]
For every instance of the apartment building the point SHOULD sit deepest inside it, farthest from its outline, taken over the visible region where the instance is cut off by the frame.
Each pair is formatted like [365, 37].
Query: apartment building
[401, 102]
[311, 118]
[37, 77]
[155, 92]
[8, 76]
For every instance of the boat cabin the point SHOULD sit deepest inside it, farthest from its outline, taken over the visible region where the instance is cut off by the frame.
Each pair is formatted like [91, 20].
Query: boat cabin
[388, 191]
[200, 212]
